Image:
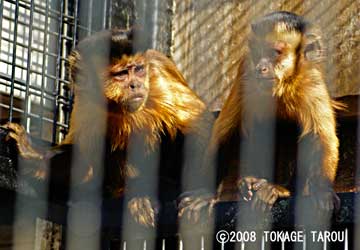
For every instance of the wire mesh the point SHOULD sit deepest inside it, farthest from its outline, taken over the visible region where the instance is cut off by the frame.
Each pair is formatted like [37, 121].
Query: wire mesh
[36, 37]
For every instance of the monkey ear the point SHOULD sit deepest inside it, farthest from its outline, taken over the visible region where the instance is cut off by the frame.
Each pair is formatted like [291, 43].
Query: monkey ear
[314, 49]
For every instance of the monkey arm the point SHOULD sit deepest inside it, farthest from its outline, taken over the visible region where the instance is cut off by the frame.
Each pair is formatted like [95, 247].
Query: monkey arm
[318, 148]
[26, 149]
[318, 141]
[198, 189]
[41, 163]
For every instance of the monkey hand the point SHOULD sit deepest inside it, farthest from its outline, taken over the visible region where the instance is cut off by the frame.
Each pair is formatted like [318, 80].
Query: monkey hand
[143, 211]
[266, 195]
[192, 203]
[325, 200]
[247, 185]
[17, 133]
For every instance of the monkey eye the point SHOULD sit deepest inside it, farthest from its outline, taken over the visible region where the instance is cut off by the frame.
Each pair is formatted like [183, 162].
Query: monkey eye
[277, 51]
[139, 69]
[122, 74]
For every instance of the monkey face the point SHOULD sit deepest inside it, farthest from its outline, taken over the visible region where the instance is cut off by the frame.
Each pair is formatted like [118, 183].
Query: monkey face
[275, 49]
[263, 58]
[274, 57]
[126, 88]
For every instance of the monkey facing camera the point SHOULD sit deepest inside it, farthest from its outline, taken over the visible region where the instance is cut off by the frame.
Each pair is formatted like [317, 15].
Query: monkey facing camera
[132, 107]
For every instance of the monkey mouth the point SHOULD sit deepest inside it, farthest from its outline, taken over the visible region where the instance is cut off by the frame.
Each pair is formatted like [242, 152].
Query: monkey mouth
[137, 97]
[265, 85]
[265, 79]
[135, 101]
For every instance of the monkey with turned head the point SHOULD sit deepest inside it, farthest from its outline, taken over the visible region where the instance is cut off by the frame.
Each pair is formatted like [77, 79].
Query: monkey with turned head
[285, 83]
[280, 81]
[134, 110]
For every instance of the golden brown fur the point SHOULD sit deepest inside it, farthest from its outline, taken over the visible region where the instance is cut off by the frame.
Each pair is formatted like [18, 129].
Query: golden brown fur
[104, 110]
[171, 106]
[300, 94]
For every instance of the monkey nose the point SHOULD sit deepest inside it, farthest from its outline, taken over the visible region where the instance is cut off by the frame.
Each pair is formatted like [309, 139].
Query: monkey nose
[133, 85]
[262, 69]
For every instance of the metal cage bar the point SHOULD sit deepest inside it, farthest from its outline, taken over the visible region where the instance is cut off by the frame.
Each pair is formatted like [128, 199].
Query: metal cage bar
[28, 67]
[13, 63]
[36, 37]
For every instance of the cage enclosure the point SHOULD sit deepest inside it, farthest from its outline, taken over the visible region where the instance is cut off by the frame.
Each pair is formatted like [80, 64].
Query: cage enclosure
[205, 39]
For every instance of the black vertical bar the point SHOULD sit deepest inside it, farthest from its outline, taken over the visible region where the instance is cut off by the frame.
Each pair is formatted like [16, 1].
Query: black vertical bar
[28, 65]
[74, 38]
[90, 14]
[154, 21]
[110, 14]
[76, 10]
[13, 62]
[104, 14]
[58, 62]
[46, 28]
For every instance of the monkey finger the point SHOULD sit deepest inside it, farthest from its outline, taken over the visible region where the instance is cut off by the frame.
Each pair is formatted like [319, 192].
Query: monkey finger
[186, 208]
[181, 212]
[249, 182]
[5, 127]
[17, 128]
[186, 200]
[263, 207]
[273, 200]
[12, 135]
[259, 184]
[194, 209]
[185, 203]
[195, 204]
[200, 204]
[284, 194]
[255, 205]
[329, 206]
[245, 189]
[151, 219]
[248, 196]
[139, 218]
[337, 202]
[211, 206]
[268, 195]
[146, 219]
[40, 174]
[147, 203]
[147, 215]
[194, 216]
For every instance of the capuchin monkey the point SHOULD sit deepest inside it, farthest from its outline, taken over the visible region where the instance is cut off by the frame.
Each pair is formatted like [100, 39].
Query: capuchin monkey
[280, 79]
[126, 96]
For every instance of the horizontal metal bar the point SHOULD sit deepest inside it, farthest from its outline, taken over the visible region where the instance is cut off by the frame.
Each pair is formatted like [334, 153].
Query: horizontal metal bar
[54, 33]
[42, 51]
[23, 84]
[14, 43]
[38, 8]
[32, 115]
[27, 47]
[35, 72]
